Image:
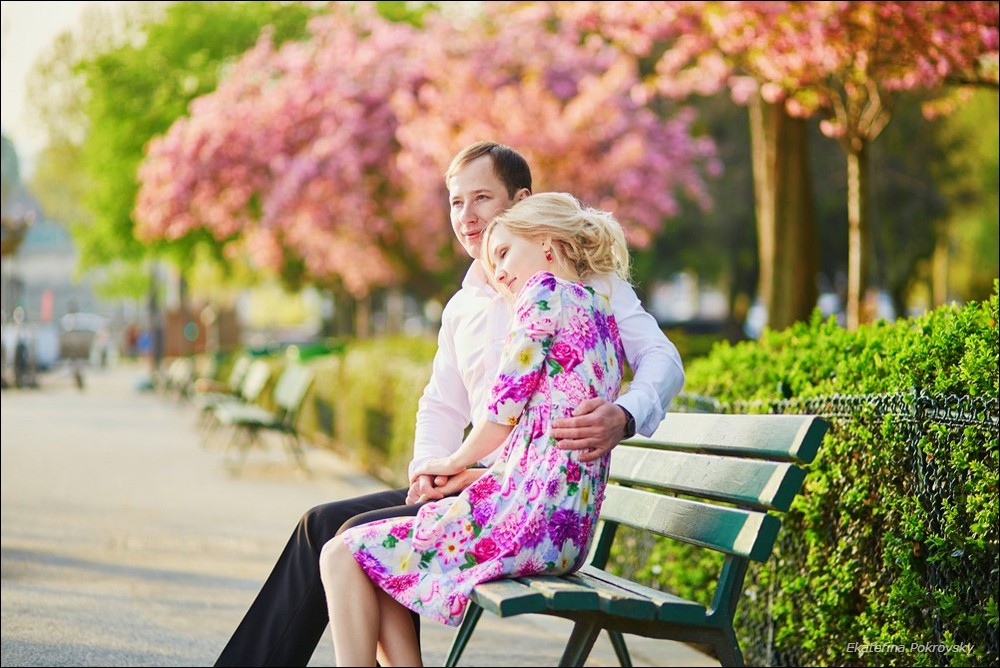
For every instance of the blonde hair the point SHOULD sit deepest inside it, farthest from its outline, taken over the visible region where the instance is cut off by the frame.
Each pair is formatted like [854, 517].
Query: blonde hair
[589, 240]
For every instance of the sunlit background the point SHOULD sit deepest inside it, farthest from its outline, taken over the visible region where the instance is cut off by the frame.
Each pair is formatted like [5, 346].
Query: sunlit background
[200, 175]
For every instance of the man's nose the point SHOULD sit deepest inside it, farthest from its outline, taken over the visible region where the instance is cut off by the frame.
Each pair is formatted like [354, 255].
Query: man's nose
[468, 212]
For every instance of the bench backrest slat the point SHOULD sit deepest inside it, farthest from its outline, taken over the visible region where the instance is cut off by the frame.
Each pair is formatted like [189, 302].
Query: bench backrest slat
[238, 373]
[255, 381]
[756, 484]
[291, 388]
[777, 437]
[742, 533]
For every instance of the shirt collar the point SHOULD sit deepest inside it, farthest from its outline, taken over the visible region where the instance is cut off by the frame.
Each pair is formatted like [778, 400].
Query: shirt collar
[476, 279]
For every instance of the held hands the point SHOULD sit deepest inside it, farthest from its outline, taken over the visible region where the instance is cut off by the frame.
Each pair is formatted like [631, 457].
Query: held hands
[596, 427]
[428, 478]
[426, 487]
[421, 490]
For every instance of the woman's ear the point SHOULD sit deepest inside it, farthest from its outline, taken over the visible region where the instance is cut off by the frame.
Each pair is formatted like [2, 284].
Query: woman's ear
[547, 248]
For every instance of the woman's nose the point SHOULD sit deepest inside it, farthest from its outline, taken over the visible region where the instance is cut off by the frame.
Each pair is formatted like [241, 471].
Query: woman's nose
[500, 275]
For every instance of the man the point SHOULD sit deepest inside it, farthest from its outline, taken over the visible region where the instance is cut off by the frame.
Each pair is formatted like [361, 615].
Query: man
[287, 620]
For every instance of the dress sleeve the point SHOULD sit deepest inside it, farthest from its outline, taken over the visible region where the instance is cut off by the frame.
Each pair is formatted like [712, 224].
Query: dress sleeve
[522, 365]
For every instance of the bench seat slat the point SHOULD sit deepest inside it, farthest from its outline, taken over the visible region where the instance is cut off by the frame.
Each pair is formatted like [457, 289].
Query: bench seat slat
[738, 532]
[758, 484]
[780, 437]
[590, 589]
[618, 601]
[560, 594]
[505, 598]
[665, 605]
[230, 415]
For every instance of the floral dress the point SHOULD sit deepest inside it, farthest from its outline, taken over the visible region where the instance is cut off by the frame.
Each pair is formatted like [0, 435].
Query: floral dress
[533, 511]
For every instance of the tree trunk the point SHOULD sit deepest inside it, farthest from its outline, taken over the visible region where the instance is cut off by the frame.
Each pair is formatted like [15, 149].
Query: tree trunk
[858, 238]
[363, 317]
[788, 239]
[941, 269]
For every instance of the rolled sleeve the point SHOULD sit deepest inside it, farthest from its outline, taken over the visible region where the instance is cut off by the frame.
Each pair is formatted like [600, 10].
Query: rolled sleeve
[657, 370]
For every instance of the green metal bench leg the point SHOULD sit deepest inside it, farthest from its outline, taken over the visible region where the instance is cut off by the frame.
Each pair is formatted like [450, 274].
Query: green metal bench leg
[472, 615]
[621, 650]
[728, 649]
[251, 439]
[295, 450]
[581, 641]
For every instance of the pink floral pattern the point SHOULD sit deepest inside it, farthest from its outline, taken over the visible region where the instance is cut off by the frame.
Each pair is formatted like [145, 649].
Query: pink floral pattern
[534, 511]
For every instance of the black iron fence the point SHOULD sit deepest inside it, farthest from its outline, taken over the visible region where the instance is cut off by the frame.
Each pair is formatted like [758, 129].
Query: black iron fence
[892, 557]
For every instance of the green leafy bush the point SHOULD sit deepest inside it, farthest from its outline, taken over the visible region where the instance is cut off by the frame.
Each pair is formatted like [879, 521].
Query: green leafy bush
[374, 394]
[894, 540]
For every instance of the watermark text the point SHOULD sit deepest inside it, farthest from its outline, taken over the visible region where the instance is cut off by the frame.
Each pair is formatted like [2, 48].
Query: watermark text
[902, 648]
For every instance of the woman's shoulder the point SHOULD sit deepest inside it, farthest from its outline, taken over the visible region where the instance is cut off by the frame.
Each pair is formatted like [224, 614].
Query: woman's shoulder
[540, 293]
[545, 284]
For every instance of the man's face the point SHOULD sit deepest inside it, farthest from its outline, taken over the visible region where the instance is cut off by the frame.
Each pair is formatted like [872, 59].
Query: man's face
[476, 195]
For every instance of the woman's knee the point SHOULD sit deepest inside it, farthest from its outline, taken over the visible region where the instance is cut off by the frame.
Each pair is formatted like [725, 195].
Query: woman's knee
[333, 558]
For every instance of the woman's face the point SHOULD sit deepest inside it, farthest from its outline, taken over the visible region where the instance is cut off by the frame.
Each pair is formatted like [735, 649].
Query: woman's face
[516, 258]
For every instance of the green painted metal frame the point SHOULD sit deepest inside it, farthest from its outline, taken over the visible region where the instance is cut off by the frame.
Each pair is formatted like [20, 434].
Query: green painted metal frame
[751, 462]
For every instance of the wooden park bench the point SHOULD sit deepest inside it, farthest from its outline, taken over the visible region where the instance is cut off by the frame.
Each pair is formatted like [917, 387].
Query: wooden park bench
[249, 421]
[719, 482]
[251, 383]
[177, 377]
[208, 393]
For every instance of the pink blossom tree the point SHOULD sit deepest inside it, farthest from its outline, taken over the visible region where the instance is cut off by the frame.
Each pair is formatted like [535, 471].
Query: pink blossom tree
[327, 156]
[290, 162]
[843, 61]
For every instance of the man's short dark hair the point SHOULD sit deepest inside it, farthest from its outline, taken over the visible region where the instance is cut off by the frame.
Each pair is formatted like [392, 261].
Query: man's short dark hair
[510, 166]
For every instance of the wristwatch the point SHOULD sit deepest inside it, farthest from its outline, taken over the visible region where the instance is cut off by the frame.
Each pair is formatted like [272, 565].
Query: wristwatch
[629, 423]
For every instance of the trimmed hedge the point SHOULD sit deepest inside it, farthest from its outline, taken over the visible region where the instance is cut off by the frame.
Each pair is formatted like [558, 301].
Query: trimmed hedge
[893, 544]
[371, 393]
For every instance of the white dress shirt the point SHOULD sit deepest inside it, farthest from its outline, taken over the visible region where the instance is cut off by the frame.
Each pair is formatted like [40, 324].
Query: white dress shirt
[474, 327]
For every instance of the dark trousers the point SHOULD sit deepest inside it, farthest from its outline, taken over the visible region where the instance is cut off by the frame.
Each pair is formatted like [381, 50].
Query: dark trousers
[287, 620]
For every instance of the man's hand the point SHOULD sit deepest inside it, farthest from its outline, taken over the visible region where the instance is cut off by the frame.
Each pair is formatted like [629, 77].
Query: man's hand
[596, 427]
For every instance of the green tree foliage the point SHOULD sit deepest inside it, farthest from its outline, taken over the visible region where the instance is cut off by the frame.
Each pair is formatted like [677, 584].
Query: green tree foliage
[134, 90]
[907, 202]
[972, 174]
[719, 245]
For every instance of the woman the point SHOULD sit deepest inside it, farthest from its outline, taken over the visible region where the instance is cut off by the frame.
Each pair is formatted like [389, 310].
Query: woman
[533, 511]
